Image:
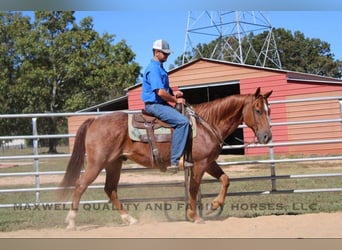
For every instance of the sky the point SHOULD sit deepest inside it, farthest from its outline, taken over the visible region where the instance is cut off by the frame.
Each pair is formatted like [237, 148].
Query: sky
[140, 22]
[140, 28]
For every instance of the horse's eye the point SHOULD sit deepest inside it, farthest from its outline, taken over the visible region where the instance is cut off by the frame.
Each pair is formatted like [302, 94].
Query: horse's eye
[258, 111]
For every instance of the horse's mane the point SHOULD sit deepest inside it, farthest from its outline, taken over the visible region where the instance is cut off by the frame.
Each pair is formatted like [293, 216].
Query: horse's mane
[213, 111]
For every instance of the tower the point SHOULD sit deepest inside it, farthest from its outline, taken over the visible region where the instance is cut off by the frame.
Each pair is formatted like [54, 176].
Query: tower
[230, 36]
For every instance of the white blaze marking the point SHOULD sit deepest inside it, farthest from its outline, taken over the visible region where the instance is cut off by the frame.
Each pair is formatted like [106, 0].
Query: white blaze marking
[266, 108]
[267, 112]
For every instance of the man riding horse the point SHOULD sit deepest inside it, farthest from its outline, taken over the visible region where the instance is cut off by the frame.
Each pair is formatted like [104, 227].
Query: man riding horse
[156, 94]
[106, 142]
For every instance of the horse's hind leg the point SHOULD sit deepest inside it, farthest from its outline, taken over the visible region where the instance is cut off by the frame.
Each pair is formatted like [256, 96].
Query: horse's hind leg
[215, 171]
[82, 184]
[112, 180]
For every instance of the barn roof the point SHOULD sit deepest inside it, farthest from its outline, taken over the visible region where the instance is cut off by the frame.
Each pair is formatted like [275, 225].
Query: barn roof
[291, 75]
[121, 102]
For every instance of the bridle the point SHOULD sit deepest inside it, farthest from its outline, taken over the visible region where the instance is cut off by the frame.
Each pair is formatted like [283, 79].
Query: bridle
[220, 141]
[254, 141]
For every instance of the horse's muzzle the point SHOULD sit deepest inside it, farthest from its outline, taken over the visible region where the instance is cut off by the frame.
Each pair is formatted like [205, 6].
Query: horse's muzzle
[264, 137]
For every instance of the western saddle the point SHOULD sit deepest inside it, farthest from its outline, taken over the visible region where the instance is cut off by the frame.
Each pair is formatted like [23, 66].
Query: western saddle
[149, 122]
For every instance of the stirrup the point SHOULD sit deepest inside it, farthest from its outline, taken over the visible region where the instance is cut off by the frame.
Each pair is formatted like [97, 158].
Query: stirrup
[187, 164]
[184, 164]
[172, 168]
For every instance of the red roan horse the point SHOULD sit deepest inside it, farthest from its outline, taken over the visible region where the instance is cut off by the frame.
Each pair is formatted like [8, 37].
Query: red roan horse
[106, 143]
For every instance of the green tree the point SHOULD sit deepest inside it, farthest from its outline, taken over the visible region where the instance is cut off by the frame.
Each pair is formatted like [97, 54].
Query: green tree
[14, 27]
[297, 52]
[64, 66]
[302, 54]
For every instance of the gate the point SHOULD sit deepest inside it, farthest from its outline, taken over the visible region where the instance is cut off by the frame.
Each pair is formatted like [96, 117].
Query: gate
[273, 177]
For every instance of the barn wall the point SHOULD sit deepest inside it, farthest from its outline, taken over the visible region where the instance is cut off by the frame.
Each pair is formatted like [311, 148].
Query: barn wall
[206, 72]
[134, 98]
[318, 110]
[74, 122]
[202, 72]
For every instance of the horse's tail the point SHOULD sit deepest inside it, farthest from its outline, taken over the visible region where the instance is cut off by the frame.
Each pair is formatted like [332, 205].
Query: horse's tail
[76, 161]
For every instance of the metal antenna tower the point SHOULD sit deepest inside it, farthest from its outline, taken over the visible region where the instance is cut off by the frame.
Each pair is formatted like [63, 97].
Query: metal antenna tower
[230, 33]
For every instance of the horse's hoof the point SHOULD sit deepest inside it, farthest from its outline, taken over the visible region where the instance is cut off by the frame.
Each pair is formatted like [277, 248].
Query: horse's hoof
[209, 212]
[128, 220]
[212, 209]
[199, 221]
[214, 206]
[71, 228]
[70, 220]
[193, 217]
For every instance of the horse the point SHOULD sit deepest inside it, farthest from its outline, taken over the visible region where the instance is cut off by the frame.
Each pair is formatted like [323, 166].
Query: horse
[106, 143]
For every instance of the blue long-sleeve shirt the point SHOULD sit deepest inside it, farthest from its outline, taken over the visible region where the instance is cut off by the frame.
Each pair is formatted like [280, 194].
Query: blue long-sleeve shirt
[155, 77]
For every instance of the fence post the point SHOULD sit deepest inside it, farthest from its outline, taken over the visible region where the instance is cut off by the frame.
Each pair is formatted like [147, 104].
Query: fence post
[36, 160]
[272, 166]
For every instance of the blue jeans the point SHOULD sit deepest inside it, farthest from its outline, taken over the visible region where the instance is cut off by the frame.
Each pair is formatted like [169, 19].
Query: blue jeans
[178, 121]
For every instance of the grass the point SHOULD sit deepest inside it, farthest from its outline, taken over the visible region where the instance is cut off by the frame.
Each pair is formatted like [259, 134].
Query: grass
[26, 217]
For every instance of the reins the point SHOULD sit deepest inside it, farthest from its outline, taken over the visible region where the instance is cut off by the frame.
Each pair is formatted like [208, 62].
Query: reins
[198, 118]
[246, 144]
[212, 130]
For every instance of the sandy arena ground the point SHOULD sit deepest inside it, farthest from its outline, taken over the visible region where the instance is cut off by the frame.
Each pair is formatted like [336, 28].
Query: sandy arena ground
[318, 225]
[321, 225]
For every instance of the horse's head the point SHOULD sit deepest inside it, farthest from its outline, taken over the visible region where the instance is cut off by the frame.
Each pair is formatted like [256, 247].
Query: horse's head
[256, 116]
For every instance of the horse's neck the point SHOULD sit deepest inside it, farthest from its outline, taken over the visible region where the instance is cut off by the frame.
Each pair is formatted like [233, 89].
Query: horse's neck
[228, 114]
[233, 115]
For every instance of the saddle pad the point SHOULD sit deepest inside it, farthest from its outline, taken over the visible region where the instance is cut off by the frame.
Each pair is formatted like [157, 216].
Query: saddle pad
[135, 134]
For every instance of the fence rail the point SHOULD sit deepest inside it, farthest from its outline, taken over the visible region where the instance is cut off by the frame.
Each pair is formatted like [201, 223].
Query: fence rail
[273, 177]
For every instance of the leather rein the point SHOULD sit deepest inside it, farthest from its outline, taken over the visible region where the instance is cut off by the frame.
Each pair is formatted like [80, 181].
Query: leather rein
[198, 118]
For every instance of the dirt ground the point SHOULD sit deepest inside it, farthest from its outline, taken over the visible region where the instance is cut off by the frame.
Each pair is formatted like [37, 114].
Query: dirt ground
[320, 225]
[317, 225]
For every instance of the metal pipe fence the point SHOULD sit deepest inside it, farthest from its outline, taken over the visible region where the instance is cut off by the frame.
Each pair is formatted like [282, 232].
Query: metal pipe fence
[272, 161]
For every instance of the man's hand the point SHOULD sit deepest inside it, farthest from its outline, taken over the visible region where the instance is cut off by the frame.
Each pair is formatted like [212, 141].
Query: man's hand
[178, 93]
[176, 97]
[179, 96]
[180, 100]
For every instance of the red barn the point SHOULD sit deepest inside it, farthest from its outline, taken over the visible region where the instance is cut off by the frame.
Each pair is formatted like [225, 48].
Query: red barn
[205, 80]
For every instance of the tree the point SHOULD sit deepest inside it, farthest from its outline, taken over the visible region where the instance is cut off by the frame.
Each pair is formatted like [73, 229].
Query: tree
[302, 54]
[297, 53]
[13, 28]
[64, 66]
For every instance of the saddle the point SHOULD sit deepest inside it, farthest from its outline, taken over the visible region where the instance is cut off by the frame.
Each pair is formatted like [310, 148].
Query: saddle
[148, 122]
[147, 128]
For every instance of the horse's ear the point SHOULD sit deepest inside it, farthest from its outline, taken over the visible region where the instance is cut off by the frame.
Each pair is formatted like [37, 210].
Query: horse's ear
[257, 92]
[268, 94]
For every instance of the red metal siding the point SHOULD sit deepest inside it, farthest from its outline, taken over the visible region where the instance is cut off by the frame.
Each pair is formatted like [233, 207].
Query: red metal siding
[134, 98]
[318, 110]
[206, 71]
[302, 90]
[74, 122]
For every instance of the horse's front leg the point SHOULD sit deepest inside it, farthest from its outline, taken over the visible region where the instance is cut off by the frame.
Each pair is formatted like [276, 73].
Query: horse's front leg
[195, 181]
[215, 171]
